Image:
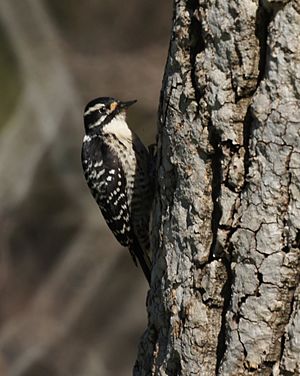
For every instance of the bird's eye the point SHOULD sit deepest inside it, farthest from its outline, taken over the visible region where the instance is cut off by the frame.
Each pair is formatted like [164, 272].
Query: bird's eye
[102, 110]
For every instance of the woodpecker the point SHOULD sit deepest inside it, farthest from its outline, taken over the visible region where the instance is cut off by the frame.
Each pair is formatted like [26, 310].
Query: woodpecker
[117, 166]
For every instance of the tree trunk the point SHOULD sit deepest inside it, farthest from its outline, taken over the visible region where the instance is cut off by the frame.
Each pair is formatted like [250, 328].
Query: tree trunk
[225, 289]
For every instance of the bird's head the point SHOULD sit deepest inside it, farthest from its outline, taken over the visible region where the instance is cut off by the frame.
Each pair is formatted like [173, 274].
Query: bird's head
[102, 111]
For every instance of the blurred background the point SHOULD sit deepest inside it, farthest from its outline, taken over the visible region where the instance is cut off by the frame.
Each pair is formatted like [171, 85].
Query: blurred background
[72, 302]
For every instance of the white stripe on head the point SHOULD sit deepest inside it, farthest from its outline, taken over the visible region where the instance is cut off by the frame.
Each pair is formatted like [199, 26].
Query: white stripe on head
[97, 106]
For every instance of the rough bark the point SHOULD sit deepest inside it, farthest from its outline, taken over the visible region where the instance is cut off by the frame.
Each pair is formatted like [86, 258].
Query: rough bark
[226, 230]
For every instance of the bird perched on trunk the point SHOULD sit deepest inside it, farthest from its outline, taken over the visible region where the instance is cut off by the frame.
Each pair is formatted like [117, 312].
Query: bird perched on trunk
[117, 166]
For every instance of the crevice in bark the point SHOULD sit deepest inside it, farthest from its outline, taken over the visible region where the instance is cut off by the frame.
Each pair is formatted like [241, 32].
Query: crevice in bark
[260, 278]
[243, 300]
[247, 134]
[234, 150]
[287, 373]
[234, 88]
[173, 365]
[231, 187]
[228, 245]
[239, 336]
[286, 240]
[296, 242]
[216, 165]
[282, 345]
[226, 294]
[293, 299]
[263, 19]
[197, 45]
[268, 365]
[264, 16]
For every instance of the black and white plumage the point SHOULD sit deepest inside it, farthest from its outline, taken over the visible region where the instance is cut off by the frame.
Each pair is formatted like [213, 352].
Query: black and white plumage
[116, 166]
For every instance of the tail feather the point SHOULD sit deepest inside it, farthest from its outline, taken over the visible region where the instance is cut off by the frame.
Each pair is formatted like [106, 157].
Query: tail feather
[144, 261]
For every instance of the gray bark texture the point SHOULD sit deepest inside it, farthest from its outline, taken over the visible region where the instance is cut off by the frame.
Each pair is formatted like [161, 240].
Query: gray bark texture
[225, 296]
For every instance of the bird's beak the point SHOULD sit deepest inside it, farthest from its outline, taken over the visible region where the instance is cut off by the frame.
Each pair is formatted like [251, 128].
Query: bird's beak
[126, 104]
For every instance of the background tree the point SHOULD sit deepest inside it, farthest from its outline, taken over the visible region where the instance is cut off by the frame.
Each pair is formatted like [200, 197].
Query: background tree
[225, 290]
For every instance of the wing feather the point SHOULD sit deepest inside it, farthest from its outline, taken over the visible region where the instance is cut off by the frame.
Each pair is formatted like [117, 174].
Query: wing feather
[105, 177]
